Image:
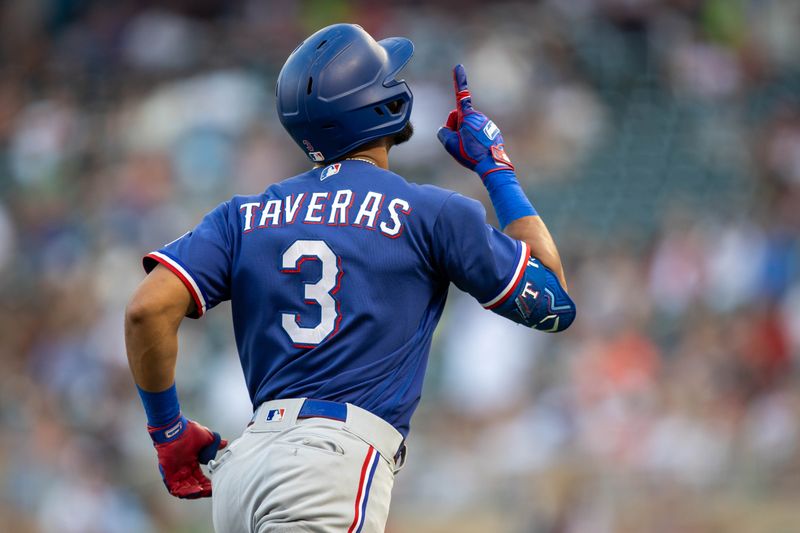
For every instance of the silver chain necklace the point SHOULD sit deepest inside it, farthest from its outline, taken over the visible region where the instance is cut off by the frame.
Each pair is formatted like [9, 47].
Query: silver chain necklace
[363, 159]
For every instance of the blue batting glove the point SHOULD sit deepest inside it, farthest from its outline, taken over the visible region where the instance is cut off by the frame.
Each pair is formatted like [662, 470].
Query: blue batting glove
[469, 136]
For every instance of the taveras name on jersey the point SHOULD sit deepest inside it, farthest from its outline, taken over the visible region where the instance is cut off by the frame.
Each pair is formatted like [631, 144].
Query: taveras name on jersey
[332, 208]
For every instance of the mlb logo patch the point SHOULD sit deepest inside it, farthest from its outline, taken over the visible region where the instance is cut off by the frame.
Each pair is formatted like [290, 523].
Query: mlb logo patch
[329, 171]
[275, 415]
[316, 156]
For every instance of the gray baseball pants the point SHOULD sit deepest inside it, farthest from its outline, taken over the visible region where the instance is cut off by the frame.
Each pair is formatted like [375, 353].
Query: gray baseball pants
[289, 474]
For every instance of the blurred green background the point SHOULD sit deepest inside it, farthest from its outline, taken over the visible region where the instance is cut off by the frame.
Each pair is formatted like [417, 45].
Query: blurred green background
[659, 139]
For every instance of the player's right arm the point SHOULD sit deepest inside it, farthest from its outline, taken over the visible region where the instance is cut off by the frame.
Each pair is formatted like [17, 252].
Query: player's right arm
[496, 269]
[536, 294]
[533, 231]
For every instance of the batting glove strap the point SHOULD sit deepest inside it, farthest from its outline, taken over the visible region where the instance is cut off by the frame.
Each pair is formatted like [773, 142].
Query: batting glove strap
[169, 432]
[497, 161]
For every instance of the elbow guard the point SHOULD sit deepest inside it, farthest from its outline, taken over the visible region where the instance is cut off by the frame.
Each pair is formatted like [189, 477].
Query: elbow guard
[539, 301]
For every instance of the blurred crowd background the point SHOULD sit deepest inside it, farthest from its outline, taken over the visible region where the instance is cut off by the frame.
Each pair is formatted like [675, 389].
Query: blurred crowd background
[659, 139]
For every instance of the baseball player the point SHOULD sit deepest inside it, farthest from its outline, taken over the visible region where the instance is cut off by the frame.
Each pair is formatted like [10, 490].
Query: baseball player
[337, 278]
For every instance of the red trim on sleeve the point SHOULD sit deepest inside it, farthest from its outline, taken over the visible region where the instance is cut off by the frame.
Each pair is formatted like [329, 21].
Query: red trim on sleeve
[521, 266]
[198, 302]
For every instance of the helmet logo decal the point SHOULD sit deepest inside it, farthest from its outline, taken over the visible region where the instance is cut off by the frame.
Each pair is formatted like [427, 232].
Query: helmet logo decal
[316, 156]
[308, 145]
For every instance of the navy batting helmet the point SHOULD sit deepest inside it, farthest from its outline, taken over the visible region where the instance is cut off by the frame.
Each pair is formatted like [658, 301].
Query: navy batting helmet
[338, 90]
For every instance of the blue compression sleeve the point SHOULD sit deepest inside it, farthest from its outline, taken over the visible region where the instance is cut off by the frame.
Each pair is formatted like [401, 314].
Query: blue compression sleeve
[508, 198]
[160, 407]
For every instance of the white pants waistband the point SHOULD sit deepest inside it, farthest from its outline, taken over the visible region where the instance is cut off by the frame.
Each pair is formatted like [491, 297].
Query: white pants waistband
[278, 415]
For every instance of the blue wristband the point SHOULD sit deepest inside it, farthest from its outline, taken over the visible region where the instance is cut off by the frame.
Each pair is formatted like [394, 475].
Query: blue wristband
[162, 407]
[508, 198]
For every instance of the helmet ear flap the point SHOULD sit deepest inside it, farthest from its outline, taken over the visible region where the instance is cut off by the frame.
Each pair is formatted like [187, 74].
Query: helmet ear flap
[395, 107]
[391, 108]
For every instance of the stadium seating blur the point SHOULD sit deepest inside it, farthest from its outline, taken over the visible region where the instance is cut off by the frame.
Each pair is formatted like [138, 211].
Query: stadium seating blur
[659, 139]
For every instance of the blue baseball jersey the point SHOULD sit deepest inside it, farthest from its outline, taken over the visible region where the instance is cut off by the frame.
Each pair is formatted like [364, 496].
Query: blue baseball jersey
[337, 278]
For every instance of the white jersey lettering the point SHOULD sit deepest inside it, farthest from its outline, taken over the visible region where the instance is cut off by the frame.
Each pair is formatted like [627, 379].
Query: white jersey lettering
[332, 208]
[315, 208]
[369, 210]
[342, 202]
[293, 206]
[396, 228]
[248, 214]
[272, 214]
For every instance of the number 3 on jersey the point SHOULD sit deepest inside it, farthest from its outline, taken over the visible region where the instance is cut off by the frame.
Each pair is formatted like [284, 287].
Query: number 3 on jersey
[319, 293]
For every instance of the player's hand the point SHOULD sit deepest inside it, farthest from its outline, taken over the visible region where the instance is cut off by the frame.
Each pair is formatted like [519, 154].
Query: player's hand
[469, 136]
[182, 446]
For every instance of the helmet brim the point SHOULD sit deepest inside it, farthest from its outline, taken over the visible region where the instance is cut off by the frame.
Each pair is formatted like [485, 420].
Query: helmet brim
[399, 51]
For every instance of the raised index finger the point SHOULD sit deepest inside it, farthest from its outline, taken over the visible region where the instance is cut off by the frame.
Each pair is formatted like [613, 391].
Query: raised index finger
[463, 96]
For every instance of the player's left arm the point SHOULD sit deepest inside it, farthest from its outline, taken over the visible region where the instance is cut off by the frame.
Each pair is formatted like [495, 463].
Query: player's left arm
[152, 319]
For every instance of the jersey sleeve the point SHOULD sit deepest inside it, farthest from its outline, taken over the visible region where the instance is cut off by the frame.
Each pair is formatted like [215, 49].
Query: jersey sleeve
[475, 256]
[498, 270]
[201, 259]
